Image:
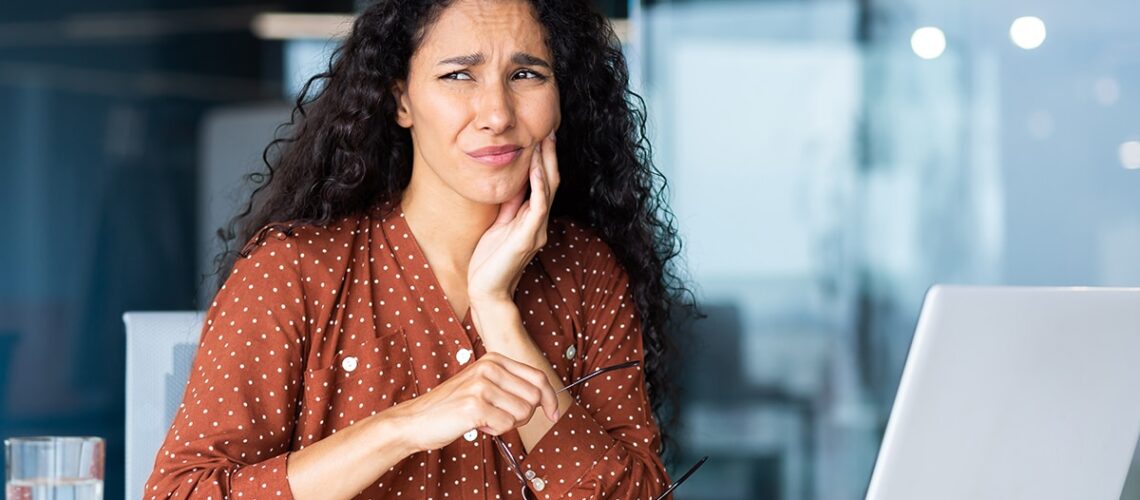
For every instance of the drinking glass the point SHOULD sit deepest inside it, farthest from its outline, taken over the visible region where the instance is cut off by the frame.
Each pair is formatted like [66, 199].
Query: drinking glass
[54, 468]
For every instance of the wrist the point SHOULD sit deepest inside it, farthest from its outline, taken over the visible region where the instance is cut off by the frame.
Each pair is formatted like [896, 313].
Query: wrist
[510, 345]
[387, 432]
[496, 320]
[487, 311]
[489, 300]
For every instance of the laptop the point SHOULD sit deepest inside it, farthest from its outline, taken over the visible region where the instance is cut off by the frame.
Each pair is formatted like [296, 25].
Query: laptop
[1015, 393]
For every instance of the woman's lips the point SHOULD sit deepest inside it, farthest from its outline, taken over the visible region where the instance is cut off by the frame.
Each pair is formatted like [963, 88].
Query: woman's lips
[497, 160]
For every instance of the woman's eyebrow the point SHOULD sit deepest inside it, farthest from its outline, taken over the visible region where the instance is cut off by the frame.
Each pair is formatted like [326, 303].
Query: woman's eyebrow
[478, 58]
[529, 60]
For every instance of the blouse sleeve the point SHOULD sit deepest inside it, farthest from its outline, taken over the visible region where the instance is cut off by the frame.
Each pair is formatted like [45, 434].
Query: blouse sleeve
[231, 435]
[606, 444]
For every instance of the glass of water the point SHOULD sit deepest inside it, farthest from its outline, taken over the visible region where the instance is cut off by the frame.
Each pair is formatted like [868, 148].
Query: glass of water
[54, 468]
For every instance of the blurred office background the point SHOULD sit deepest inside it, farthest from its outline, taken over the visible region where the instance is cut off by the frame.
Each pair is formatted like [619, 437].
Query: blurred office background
[828, 161]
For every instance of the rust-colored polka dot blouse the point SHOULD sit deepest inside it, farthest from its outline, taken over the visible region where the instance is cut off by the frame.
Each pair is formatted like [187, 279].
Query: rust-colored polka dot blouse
[316, 331]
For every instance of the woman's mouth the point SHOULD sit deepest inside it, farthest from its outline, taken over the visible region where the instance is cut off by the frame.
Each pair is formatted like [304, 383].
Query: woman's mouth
[497, 159]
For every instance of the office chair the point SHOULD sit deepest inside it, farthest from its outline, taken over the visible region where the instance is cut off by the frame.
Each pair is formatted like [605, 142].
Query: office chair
[160, 351]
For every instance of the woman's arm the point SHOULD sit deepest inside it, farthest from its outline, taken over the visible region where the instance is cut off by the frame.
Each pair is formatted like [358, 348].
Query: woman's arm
[606, 444]
[233, 434]
[233, 431]
[494, 395]
[507, 336]
[354, 456]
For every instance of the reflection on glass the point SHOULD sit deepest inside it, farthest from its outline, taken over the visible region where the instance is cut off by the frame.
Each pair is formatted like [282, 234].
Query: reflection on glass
[824, 176]
[928, 42]
[1027, 32]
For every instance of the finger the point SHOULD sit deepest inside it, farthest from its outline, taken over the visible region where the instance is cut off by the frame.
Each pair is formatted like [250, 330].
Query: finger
[548, 398]
[548, 203]
[511, 207]
[524, 212]
[517, 406]
[549, 181]
[517, 386]
[538, 202]
[496, 384]
[540, 152]
[550, 162]
[539, 162]
[494, 421]
[536, 158]
[546, 188]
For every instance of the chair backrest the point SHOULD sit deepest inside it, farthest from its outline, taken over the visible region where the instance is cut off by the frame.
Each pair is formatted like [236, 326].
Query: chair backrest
[160, 350]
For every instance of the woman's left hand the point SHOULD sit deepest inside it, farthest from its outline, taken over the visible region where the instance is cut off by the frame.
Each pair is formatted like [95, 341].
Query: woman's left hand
[517, 234]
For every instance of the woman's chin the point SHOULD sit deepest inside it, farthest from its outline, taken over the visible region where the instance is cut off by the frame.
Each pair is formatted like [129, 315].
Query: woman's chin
[495, 198]
[496, 193]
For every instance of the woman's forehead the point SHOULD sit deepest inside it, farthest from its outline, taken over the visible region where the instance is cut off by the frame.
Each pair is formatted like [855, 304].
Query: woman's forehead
[491, 27]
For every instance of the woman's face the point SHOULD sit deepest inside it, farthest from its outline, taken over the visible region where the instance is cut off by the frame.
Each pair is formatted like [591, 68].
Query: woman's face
[482, 77]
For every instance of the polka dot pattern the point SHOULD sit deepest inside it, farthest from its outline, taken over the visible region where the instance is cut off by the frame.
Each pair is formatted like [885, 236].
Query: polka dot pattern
[316, 331]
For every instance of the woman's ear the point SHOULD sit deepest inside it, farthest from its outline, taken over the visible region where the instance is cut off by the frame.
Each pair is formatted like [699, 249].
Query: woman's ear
[403, 110]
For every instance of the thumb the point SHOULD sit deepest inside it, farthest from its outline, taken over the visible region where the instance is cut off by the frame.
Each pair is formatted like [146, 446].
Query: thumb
[510, 208]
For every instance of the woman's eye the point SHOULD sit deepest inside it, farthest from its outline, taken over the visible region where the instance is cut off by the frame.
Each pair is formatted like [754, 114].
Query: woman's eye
[535, 75]
[525, 74]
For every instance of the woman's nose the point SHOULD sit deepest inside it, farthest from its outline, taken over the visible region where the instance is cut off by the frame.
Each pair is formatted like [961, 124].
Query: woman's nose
[494, 108]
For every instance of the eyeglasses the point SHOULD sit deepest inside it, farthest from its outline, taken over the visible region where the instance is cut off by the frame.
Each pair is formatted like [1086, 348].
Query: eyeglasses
[517, 469]
[684, 477]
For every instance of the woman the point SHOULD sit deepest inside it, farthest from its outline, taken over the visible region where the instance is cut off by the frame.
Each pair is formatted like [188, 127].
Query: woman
[410, 293]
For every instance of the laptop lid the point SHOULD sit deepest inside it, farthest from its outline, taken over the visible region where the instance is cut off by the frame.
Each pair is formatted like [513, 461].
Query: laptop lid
[1015, 393]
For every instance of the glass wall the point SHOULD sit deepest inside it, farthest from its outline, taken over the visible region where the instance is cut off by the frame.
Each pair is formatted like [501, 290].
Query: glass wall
[101, 104]
[830, 160]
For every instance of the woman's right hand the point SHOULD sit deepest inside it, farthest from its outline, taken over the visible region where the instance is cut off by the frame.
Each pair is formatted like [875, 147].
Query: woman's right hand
[493, 395]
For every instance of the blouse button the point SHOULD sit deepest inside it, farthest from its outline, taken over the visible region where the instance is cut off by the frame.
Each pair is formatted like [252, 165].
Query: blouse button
[471, 435]
[463, 356]
[529, 475]
[538, 484]
[570, 352]
[349, 363]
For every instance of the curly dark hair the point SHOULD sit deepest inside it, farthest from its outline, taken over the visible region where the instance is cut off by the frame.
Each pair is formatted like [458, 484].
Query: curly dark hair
[345, 153]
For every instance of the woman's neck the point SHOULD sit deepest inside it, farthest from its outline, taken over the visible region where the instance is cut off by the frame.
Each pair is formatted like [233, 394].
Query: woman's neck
[446, 226]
